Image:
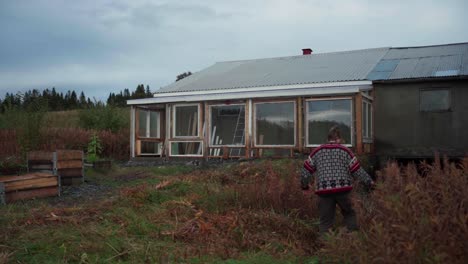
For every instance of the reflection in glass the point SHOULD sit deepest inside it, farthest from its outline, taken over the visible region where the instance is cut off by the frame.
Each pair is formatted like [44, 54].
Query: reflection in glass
[324, 114]
[148, 126]
[148, 147]
[142, 123]
[275, 123]
[186, 148]
[434, 100]
[154, 124]
[186, 121]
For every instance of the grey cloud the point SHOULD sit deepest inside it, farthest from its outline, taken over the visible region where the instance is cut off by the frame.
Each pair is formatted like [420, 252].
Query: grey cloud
[117, 44]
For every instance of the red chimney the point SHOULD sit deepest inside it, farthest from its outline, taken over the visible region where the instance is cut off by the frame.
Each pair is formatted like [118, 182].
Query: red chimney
[306, 51]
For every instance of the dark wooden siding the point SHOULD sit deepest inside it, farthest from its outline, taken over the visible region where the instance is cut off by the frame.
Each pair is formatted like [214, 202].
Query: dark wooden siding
[403, 131]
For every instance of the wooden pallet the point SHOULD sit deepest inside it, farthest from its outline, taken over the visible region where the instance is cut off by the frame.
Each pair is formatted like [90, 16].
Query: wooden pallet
[28, 186]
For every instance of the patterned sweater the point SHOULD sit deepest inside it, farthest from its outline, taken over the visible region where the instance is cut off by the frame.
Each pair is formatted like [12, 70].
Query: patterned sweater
[334, 166]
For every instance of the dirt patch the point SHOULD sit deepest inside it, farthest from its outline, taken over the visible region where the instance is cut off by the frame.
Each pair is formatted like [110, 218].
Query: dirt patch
[86, 192]
[134, 176]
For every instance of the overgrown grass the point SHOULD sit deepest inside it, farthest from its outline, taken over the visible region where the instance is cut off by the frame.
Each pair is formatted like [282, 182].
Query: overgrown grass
[62, 119]
[22, 130]
[241, 213]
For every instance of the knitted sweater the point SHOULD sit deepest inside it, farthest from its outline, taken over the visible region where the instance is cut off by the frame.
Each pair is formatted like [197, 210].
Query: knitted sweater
[334, 166]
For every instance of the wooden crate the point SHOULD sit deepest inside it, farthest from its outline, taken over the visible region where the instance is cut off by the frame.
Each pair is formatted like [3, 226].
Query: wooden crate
[41, 161]
[70, 166]
[29, 186]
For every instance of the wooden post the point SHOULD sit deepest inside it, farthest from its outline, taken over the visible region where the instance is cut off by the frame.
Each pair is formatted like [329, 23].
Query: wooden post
[358, 123]
[207, 128]
[168, 130]
[247, 128]
[132, 131]
[136, 132]
[300, 130]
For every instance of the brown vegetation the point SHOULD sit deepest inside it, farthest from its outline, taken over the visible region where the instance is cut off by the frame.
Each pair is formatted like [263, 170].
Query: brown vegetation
[416, 214]
[410, 218]
[115, 145]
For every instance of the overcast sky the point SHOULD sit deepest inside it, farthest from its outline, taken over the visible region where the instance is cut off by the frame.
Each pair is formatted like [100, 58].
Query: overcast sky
[101, 46]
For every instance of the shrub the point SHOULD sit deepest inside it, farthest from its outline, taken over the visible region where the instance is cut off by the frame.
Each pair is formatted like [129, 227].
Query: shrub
[94, 149]
[105, 118]
[27, 123]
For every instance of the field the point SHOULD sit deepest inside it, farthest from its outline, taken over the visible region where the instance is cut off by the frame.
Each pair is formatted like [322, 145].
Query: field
[250, 212]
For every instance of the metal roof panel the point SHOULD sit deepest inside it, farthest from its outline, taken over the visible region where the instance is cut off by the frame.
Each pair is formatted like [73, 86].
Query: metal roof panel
[425, 62]
[304, 69]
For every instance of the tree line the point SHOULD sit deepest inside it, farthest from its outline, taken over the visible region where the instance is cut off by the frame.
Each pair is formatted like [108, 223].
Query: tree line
[120, 99]
[59, 101]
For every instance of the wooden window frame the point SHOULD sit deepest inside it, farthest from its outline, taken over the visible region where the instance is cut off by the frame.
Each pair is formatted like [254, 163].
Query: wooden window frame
[152, 154]
[306, 117]
[174, 123]
[436, 89]
[210, 126]
[148, 122]
[139, 139]
[186, 141]
[254, 121]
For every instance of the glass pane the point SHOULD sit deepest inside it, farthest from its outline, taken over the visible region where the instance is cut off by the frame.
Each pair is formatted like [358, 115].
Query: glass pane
[275, 123]
[142, 125]
[154, 124]
[434, 100]
[325, 114]
[232, 152]
[186, 148]
[148, 147]
[227, 125]
[186, 121]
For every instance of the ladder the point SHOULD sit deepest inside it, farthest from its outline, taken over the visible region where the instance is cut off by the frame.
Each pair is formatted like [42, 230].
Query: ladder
[239, 133]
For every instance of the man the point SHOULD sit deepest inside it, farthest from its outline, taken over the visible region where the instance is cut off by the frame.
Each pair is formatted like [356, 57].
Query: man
[334, 166]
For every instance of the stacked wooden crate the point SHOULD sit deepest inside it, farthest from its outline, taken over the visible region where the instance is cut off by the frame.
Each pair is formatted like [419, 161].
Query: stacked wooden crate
[41, 161]
[70, 166]
[28, 186]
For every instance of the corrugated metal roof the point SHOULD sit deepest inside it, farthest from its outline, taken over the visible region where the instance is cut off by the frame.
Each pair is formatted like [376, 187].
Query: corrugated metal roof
[423, 62]
[305, 69]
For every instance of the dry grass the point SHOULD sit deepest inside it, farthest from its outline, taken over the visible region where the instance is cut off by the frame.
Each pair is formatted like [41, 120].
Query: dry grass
[8, 143]
[411, 218]
[234, 212]
[115, 145]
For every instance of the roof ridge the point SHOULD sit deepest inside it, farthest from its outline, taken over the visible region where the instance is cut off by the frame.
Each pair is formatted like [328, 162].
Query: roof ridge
[305, 56]
[427, 46]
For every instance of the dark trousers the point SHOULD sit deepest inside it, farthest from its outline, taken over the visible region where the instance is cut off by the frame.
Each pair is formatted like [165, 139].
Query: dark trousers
[327, 205]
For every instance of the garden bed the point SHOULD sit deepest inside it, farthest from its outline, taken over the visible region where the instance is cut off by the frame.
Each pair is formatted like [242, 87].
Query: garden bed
[28, 186]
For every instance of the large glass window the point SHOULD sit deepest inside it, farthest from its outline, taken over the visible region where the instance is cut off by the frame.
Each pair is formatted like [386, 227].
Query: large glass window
[323, 114]
[434, 100]
[275, 123]
[150, 148]
[149, 124]
[186, 120]
[227, 125]
[366, 120]
[194, 148]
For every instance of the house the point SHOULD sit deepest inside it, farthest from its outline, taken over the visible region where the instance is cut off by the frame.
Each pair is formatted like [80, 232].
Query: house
[421, 102]
[286, 105]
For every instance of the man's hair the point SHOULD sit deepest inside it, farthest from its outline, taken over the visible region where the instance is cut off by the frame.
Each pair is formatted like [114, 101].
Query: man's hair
[334, 133]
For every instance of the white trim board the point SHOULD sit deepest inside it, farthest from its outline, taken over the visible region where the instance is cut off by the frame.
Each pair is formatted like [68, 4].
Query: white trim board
[258, 92]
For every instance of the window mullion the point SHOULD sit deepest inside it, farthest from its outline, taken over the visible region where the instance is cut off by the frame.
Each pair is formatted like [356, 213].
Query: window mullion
[148, 114]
